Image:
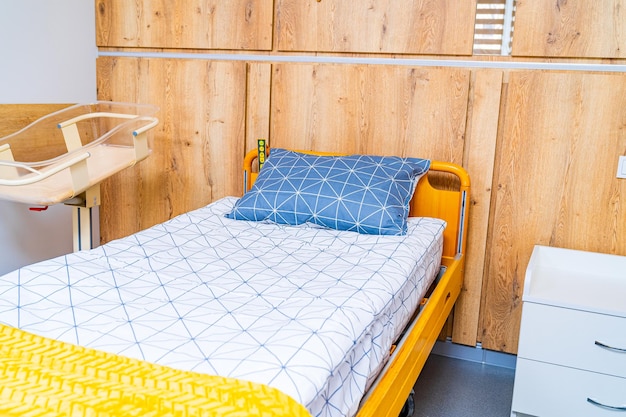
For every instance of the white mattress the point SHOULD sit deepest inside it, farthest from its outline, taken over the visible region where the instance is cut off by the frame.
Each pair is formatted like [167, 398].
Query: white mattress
[310, 311]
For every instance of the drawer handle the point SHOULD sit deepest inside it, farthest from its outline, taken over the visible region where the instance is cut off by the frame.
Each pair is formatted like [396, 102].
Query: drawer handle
[603, 345]
[609, 407]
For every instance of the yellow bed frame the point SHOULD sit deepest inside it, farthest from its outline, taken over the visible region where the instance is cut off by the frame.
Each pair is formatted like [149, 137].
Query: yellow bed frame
[389, 392]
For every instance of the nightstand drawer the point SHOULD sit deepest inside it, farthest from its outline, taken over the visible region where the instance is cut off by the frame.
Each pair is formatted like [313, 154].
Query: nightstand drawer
[545, 390]
[573, 338]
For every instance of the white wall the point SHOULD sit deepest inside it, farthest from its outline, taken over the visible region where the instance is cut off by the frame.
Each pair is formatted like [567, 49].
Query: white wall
[48, 51]
[47, 55]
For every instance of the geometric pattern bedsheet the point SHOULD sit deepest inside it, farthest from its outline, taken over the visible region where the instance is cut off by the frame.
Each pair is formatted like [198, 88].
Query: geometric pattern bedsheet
[307, 310]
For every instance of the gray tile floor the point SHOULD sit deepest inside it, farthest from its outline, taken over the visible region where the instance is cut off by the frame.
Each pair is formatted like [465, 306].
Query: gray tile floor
[450, 387]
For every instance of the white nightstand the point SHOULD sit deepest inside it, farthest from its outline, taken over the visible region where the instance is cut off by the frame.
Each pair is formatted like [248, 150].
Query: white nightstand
[571, 358]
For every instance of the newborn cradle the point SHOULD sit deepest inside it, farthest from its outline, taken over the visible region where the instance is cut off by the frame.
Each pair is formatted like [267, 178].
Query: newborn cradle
[63, 157]
[60, 155]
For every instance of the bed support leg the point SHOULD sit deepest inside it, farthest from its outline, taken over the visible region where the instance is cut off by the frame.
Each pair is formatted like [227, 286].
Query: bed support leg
[82, 219]
[409, 406]
[84, 202]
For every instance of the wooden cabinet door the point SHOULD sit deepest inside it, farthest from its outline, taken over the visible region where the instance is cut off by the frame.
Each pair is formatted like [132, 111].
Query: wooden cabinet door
[201, 24]
[381, 26]
[581, 29]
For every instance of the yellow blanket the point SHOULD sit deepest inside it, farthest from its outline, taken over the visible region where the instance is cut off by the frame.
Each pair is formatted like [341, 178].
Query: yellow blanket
[43, 377]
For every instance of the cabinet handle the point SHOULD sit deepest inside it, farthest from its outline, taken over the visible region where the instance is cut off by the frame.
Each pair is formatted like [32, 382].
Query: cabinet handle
[603, 345]
[609, 407]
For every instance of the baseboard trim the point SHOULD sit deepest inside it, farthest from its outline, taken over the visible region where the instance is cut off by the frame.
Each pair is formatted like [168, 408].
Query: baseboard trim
[474, 354]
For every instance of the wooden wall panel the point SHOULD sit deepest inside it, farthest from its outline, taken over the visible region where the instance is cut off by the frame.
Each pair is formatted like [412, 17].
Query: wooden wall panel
[211, 24]
[556, 185]
[560, 28]
[480, 150]
[258, 107]
[15, 117]
[384, 26]
[395, 110]
[197, 147]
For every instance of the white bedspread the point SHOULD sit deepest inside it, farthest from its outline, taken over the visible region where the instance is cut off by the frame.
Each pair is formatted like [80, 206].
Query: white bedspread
[307, 310]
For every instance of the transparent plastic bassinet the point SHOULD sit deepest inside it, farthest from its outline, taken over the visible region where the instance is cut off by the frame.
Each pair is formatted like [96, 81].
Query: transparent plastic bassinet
[65, 153]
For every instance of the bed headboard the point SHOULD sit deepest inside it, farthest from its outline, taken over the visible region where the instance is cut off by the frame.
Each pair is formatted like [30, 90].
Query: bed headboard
[428, 201]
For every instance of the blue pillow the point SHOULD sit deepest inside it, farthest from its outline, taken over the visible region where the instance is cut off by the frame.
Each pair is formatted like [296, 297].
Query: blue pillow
[361, 193]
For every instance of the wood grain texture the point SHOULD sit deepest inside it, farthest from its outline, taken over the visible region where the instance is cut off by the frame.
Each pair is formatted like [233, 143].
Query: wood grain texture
[41, 145]
[17, 116]
[197, 146]
[561, 28]
[211, 24]
[385, 110]
[480, 150]
[258, 104]
[555, 175]
[383, 26]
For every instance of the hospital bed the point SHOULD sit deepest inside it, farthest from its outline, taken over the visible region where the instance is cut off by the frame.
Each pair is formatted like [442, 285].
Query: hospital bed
[337, 318]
